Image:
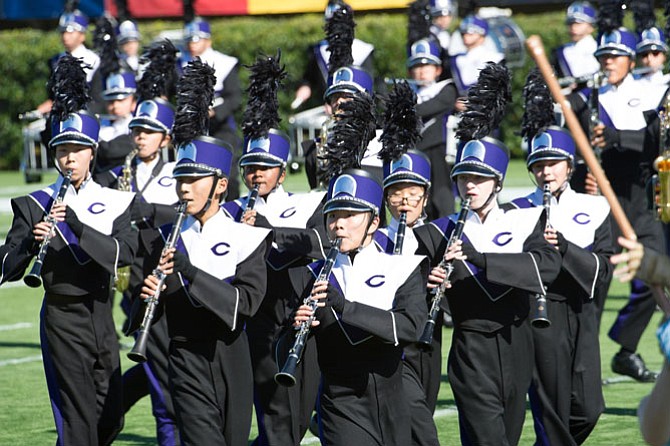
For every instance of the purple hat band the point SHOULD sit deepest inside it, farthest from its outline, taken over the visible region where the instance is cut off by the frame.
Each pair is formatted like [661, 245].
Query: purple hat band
[77, 128]
[354, 190]
[197, 29]
[127, 31]
[73, 21]
[204, 156]
[271, 151]
[651, 39]
[486, 157]
[119, 86]
[554, 143]
[581, 12]
[442, 7]
[349, 79]
[423, 52]
[473, 24]
[619, 42]
[412, 167]
[155, 114]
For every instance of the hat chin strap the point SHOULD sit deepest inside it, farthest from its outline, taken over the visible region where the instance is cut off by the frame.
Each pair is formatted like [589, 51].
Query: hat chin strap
[488, 200]
[208, 203]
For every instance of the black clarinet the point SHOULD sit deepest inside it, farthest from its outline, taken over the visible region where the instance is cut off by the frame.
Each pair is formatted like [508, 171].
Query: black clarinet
[139, 350]
[400, 234]
[286, 377]
[34, 278]
[426, 339]
[251, 198]
[540, 318]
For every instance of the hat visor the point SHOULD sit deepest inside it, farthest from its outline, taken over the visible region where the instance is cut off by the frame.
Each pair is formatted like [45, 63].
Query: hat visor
[194, 170]
[405, 177]
[148, 123]
[348, 204]
[655, 46]
[260, 159]
[423, 60]
[547, 155]
[613, 51]
[72, 138]
[474, 168]
[116, 95]
[341, 88]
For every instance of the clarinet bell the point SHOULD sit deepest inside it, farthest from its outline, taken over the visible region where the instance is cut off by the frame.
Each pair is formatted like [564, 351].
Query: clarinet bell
[540, 317]
[286, 377]
[33, 280]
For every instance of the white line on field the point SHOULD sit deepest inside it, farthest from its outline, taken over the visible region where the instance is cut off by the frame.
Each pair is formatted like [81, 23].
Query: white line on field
[16, 326]
[23, 360]
[10, 285]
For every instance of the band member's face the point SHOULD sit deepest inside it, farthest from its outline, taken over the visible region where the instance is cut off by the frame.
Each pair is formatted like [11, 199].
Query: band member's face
[77, 158]
[425, 73]
[554, 172]
[477, 187]
[351, 227]
[131, 48]
[195, 192]
[617, 67]
[148, 142]
[335, 100]
[72, 39]
[579, 30]
[268, 178]
[653, 59]
[443, 21]
[121, 107]
[406, 197]
[196, 48]
[473, 40]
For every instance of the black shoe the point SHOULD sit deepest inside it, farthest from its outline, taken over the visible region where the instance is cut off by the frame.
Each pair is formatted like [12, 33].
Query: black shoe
[314, 426]
[447, 321]
[631, 364]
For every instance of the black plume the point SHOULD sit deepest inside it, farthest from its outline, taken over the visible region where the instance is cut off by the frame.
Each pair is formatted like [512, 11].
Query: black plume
[402, 126]
[340, 36]
[468, 7]
[539, 106]
[419, 21]
[666, 13]
[71, 6]
[189, 11]
[122, 13]
[643, 14]
[104, 41]
[262, 113]
[160, 75]
[486, 102]
[195, 92]
[353, 129]
[67, 87]
[610, 15]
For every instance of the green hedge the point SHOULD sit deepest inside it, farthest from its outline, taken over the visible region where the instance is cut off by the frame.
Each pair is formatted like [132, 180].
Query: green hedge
[24, 53]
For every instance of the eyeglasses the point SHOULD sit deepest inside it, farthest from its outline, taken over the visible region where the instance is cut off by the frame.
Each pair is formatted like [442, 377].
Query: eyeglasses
[398, 199]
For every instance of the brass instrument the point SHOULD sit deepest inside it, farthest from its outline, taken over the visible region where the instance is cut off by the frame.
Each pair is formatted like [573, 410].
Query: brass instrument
[138, 352]
[124, 183]
[286, 377]
[321, 162]
[34, 278]
[539, 317]
[400, 234]
[426, 338]
[599, 79]
[661, 181]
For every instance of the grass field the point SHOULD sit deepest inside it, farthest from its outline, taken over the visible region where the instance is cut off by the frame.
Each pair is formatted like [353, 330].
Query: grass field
[25, 414]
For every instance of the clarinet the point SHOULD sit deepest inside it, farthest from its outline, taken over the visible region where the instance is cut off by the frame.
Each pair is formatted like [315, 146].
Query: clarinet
[426, 339]
[286, 377]
[138, 352]
[34, 278]
[540, 318]
[251, 198]
[400, 235]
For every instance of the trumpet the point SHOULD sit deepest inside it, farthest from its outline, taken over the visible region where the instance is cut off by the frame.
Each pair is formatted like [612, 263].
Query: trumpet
[34, 278]
[124, 183]
[286, 377]
[426, 338]
[661, 181]
[540, 318]
[400, 234]
[138, 352]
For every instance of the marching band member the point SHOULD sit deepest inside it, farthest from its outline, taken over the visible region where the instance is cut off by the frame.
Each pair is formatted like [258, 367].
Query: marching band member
[92, 238]
[215, 281]
[406, 183]
[502, 259]
[626, 112]
[566, 395]
[368, 309]
[296, 221]
[651, 49]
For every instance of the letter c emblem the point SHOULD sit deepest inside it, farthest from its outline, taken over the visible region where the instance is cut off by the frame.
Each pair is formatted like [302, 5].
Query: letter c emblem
[376, 281]
[503, 238]
[221, 249]
[97, 208]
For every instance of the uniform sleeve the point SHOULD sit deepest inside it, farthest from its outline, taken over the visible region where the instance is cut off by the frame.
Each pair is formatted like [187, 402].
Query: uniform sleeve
[111, 251]
[591, 269]
[232, 97]
[309, 242]
[242, 296]
[655, 268]
[431, 243]
[442, 103]
[400, 324]
[538, 265]
[20, 245]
